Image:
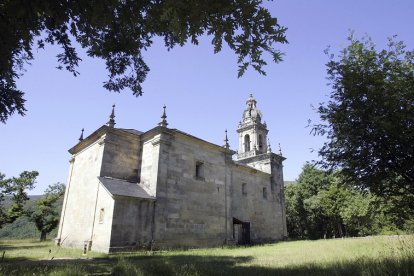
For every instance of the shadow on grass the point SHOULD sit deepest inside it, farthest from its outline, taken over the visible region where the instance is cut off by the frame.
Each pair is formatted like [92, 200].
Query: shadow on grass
[8, 247]
[202, 265]
[214, 265]
[57, 267]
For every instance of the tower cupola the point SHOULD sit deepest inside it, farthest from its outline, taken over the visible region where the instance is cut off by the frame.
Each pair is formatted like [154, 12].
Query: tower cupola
[251, 113]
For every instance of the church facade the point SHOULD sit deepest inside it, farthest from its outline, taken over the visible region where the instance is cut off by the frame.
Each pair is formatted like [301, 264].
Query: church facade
[166, 189]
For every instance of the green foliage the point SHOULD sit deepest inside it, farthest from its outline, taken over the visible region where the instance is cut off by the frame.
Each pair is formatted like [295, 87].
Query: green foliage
[21, 228]
[24, 227]
[3, 184]
[360, 213]
[409, 226]
[120, 31]
[16, 188]
[369, 120]
[318, 206]
[45, 214]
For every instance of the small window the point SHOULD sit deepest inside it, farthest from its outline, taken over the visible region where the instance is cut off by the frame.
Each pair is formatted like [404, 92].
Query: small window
[260, 142]
[199, 171]
[246, 143]
[244, 189]
[272, 183]
[101, 215]
[265, 193]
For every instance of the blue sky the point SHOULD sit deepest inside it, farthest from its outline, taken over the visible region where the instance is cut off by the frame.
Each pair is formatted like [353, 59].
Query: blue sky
[201, 89]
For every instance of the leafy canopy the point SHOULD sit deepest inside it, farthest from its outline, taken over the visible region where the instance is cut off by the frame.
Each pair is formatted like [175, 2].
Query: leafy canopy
[369, 118]
[45, 214]
[118, 31]
[15, 187]
[318, 206]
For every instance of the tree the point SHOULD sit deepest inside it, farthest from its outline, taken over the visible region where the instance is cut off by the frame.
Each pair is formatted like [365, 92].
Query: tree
[15, 187]
[318, 206]
[362, 214]
[369, 119]
[295, 213]
[119, 31]
[3, 215]
[45, 215]
[326, 207]
[304, 214]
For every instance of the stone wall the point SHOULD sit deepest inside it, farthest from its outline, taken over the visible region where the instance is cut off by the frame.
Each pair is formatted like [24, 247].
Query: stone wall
[80, 197]
[256, 203]
[149, 166]
[190, 209]
[121, 155]
[132, 223]
[104, 211]
[272, 164]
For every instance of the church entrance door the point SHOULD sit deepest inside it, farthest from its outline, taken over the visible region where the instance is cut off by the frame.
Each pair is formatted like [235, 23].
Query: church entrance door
[241, 231]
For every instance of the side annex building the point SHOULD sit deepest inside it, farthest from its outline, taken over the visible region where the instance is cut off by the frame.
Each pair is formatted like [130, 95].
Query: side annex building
[164, 188]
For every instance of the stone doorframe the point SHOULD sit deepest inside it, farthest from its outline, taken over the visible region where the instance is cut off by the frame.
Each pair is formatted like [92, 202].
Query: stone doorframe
[241, 231]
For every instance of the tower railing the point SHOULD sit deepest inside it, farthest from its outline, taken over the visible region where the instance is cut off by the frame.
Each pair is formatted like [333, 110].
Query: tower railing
[247, 154]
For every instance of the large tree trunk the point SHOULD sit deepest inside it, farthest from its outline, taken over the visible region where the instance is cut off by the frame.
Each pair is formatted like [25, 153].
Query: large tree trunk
[43, 235]
[341, 234]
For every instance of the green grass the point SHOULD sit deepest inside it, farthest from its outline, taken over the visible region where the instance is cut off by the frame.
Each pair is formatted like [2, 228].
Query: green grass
[358, 256]
[33, 250]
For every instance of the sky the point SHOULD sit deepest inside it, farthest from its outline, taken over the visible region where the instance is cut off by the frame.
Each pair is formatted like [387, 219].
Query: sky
[200, 89]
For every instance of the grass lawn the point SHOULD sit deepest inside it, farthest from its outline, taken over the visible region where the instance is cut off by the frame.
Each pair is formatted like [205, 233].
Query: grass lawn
[382, 255]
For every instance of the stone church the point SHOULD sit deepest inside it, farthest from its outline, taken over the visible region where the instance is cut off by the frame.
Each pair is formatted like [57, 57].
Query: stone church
[165, 188]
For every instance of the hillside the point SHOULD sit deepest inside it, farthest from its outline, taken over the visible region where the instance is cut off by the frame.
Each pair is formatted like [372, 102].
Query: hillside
[286, 183]
[29, 203]
[22, 228]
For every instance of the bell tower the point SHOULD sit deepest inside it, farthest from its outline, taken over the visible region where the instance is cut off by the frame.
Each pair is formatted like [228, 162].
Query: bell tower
[252, 132]
[255, 152]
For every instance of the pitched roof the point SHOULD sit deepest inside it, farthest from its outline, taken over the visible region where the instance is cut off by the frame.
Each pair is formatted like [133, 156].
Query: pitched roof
[133, 131]
[119, 187]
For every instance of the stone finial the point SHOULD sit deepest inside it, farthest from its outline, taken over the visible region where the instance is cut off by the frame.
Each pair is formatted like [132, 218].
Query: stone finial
[269, 149]
[163, 122]
[280, 150]
[81, 136]
[226, 141]
[111, 122]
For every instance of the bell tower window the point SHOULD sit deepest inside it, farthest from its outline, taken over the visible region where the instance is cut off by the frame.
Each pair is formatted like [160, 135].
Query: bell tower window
[260, 143]
[247, 143]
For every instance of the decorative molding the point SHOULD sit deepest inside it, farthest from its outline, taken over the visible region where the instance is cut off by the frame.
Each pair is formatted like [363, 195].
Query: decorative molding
[160, 140]
[102, 141]
[247, 126]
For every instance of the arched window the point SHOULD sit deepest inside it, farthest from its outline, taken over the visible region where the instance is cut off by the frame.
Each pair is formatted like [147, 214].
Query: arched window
[246, 143]
[260, 143]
